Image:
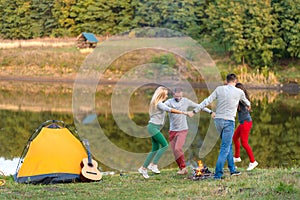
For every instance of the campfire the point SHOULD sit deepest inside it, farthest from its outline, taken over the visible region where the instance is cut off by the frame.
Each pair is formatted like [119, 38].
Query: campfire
[201, 172]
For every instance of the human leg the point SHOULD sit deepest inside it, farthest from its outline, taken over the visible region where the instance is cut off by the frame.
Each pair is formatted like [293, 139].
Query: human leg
[246, 127]
[236, 141]
[225, 128]
[177, 144]
[152, 130]
[172, 140]
[154, 151]
[143, 169]
[230, 160]
[161, 140]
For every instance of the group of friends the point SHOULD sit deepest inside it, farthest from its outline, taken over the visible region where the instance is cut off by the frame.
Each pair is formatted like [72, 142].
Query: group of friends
[231, 98]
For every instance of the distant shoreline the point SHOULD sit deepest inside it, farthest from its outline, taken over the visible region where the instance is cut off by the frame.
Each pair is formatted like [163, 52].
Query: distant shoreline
[289, 87]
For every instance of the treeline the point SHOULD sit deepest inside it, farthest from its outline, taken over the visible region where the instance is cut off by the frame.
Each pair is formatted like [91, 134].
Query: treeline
[258, 33]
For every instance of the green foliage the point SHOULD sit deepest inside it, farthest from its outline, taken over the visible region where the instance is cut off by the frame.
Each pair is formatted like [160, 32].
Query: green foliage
[166, 64]
[64, 14]
[248, 29]
[15, 21]
[101, 17]
[185, 16]
[288, 14]
[43, 19]
[155, 32]
[257, 33]
[166, 59]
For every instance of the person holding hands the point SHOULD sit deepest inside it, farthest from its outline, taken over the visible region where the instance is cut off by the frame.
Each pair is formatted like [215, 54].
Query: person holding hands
[157, 113]
[179, 127]
[242, 132]
[228, 98]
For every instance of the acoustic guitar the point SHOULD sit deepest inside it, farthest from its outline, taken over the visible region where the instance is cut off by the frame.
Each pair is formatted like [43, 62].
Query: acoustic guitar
[89, 171]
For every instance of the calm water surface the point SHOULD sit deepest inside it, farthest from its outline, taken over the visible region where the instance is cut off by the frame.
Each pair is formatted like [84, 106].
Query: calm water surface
[275, 136]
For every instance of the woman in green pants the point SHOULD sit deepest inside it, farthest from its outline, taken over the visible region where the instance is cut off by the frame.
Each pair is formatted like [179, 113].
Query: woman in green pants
[157, 113]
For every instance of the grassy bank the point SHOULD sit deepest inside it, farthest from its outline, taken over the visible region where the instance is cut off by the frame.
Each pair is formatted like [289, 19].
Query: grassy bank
[65, 61]
[282, 72]
[257, 184]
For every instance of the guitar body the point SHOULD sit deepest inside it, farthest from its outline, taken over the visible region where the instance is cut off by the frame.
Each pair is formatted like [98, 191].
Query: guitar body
[89, 171]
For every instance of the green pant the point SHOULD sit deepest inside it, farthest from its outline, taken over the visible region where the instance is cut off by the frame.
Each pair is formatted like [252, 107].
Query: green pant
[159, 144]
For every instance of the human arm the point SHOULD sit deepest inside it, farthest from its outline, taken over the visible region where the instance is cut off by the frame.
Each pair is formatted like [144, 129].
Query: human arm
[245, 101]
[209, 111]
[187, 113]
[212, 113]
[195, 105]
[168, 103]
[206, 102]
[163, 106]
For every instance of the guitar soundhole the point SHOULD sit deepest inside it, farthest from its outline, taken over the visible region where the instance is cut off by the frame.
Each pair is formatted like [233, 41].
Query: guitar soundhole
[90, 164]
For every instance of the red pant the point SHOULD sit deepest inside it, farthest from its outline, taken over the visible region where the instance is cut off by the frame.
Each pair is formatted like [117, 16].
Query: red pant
[177, 140]
[242, 132]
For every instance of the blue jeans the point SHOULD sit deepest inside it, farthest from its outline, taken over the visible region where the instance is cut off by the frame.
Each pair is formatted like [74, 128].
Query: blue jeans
[226, 129]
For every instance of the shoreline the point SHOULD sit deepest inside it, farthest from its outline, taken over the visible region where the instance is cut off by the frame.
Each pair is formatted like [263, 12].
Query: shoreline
[291, 88]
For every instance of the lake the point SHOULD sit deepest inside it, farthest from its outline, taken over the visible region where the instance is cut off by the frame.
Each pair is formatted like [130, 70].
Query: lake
[123, 142]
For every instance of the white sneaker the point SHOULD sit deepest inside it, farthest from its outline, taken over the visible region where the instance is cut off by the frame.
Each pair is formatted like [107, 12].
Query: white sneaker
[154, 168]
[143, 172]
[252, 165]
[237, 159]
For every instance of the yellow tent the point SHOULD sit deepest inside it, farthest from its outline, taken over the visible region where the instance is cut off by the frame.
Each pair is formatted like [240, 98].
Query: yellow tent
[52, 155]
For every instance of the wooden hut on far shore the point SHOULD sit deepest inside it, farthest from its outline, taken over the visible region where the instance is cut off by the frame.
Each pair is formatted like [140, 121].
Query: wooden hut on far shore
[86, 40]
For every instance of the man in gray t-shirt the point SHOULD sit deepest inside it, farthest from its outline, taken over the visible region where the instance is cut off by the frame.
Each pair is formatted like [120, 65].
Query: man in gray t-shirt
[179, 127]
[228, 98]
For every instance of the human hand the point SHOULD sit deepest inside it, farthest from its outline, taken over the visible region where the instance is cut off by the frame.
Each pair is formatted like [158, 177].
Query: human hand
[213, 115]
[190, 114]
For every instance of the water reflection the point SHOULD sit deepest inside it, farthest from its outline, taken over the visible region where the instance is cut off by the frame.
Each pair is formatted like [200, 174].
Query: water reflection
[274, 138]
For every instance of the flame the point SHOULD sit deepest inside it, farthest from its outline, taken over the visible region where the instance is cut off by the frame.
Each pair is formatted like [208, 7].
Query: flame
[199, 168]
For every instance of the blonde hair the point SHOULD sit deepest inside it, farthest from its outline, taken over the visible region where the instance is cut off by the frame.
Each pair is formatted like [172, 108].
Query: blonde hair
[159, 95]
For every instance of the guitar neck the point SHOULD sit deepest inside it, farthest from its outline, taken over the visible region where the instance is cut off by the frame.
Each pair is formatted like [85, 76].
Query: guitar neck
[87, 145]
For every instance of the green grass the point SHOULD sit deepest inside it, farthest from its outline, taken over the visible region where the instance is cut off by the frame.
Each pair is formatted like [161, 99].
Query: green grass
[289, 74]
[257, 184]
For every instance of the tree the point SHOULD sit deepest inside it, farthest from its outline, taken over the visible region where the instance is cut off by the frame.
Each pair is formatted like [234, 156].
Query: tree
[65, 17]
[288, 14]
[184, 16]
[102, 17]
[261, 33]
[15, 21]
[43, 20]
[248, 29]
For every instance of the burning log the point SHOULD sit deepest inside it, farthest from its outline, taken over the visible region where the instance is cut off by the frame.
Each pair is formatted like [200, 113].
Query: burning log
[201, 172]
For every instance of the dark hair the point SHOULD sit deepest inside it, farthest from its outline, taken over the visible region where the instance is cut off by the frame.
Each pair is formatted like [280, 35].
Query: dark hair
[177, 89]
[241, 86]
[231, 78]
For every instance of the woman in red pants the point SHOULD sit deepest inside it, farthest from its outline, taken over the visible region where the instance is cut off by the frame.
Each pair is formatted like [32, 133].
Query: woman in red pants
[242, 132]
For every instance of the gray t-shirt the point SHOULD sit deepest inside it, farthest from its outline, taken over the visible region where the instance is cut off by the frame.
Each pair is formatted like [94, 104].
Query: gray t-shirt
[228, 98]
[159, 113]
[179, 122]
